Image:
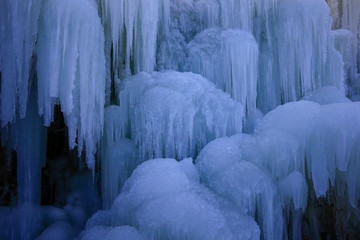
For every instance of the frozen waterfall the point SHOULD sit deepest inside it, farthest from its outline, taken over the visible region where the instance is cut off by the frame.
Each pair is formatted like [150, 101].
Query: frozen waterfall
[179, 119]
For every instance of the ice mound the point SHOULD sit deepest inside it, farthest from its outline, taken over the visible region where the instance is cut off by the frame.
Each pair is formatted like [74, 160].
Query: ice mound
[250, 188]
[71, 70]
[230, 60]
[164, 200]
[174, 114]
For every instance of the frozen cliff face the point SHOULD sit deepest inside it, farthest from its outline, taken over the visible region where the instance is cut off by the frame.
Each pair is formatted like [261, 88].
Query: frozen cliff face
[305, 62]
[174, 114]
[229, 59]
[71, 70]
[18, 34]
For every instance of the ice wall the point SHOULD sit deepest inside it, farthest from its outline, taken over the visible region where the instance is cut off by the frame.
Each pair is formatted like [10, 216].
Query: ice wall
[71, 70]
[172, 114]
[229, 59]
[304, 48]
[18, 34]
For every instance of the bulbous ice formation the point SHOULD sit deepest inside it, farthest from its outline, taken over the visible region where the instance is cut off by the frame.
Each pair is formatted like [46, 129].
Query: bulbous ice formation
[174, 114]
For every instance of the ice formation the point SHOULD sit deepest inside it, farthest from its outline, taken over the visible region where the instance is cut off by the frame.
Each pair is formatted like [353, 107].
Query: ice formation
[164, 200]
[251, 189]
[18, 35]
[116, 167]
[174, 114]
[173, 159]
[306, 62]
[71, 70]
[237, 73]
[316, 136]
[133, 28]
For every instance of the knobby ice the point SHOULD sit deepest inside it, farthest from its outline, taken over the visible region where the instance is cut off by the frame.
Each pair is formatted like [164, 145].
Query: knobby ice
[179, 119]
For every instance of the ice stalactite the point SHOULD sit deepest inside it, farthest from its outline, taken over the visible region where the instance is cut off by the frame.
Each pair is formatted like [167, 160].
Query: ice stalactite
[134, 27]
[71, 70]
[18, 34]
[229, 59]
[174, 114]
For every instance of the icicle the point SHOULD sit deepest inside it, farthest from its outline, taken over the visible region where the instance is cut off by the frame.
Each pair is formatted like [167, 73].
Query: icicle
[134, 26]
[71, 70]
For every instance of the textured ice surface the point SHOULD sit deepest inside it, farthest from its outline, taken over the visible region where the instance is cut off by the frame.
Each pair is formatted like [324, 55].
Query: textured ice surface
[250, 188]
[344, 43]
[71, 70]
[294, 188]
[320, 133]
[174, 114]
[304, 48]
[109, 233]
[229, 59]
[133, 27]
[239, 14]
[26, 221]
[163, 199]
[116, 166]
[59, 231]
[326, 95]
[18, 34]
